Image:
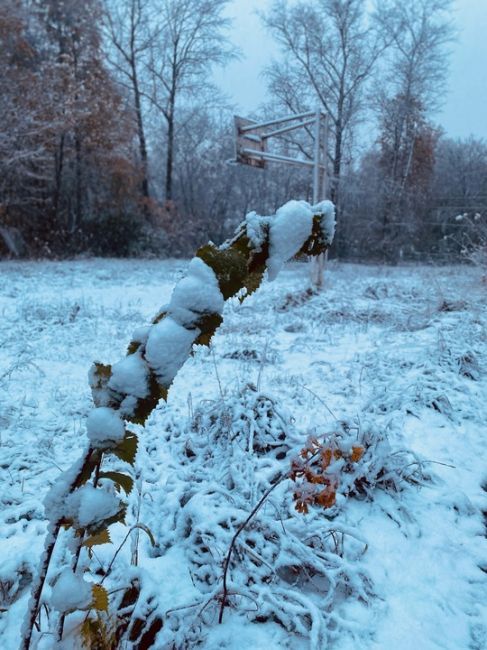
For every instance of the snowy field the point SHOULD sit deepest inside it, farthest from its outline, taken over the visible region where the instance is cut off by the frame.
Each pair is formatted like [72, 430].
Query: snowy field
[396, 356]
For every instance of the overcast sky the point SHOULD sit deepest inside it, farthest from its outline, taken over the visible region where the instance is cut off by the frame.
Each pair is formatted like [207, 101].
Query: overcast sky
[465, 108]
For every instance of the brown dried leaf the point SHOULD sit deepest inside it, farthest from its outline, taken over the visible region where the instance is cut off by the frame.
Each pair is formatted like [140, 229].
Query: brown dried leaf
[100, 598]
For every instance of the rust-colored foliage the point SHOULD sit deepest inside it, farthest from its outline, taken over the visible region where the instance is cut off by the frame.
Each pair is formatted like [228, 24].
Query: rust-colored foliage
[316, 472]
[408, 152]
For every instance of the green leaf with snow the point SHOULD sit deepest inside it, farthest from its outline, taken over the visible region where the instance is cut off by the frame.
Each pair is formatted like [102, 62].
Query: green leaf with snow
[121, 480]
[103, 537]
[127, 450]
[100, 598]
[100, 526]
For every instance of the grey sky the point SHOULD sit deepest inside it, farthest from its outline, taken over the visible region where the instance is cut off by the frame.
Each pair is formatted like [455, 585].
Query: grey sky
[465, 109]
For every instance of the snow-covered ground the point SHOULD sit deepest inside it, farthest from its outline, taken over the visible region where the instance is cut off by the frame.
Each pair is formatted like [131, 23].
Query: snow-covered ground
[398, 353]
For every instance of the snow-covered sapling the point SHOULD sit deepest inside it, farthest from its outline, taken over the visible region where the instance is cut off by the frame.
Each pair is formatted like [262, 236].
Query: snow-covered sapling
[87, 499]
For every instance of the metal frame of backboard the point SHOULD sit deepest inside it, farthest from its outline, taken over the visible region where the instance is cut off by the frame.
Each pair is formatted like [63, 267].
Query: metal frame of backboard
[251, 140]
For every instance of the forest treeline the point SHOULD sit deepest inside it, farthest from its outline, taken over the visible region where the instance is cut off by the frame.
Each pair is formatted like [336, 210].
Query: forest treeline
[114, 139]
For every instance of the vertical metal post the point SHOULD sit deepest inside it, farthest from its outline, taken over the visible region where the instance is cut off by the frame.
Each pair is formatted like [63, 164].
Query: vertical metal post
[317, 263]
[324, 186]
[316, 158]
[325, 170]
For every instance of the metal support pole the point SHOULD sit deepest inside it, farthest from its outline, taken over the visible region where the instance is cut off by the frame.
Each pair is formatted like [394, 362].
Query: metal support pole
[324, 167]
[265, 155]
[280, 120]
[325, 179]
[317, 263]
[316, 158]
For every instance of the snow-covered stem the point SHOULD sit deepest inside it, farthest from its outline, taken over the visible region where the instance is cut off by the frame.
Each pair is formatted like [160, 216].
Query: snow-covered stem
[77, 553]
[50, 544]
[234, 539]
[37, 588]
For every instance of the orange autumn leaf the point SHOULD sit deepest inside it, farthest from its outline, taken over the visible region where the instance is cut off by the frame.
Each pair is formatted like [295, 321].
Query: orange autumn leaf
[327, 498]
[316, 474]
[357, 453]
[326, 456]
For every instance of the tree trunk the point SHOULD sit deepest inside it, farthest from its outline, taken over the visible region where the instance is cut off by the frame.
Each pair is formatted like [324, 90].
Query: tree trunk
[337, 165]
[79, 193]
[58, 166]
[338, 247]
[170, 146]
[141, 136]
[170, 123]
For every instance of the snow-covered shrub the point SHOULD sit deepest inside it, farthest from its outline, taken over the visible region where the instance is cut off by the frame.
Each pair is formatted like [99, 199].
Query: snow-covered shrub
[349, 462]
[252, 422]
[234, 454]
[473, 239]
[228, 514]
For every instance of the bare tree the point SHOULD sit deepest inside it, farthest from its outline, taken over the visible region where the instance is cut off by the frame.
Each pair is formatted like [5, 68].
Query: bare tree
[411, 86]
[329, 51]
[66, 141]
[419, 31]
[190, 40]
[461, 174]
[416, 71]
[128, 28]
[460, 189]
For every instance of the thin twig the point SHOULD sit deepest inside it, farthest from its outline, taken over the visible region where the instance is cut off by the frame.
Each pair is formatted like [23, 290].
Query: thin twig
[216, 373]
[234, 539]
[319, 400]
[261, 365]
[134, 527]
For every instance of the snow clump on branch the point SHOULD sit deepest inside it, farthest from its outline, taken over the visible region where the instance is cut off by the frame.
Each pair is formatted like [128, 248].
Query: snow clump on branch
[289, 230]
[168, 347]
[104, 425]
[89, 506]
[170, 340]
[129, 376]
[328, 222]
[197, 293]
[71, 592]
